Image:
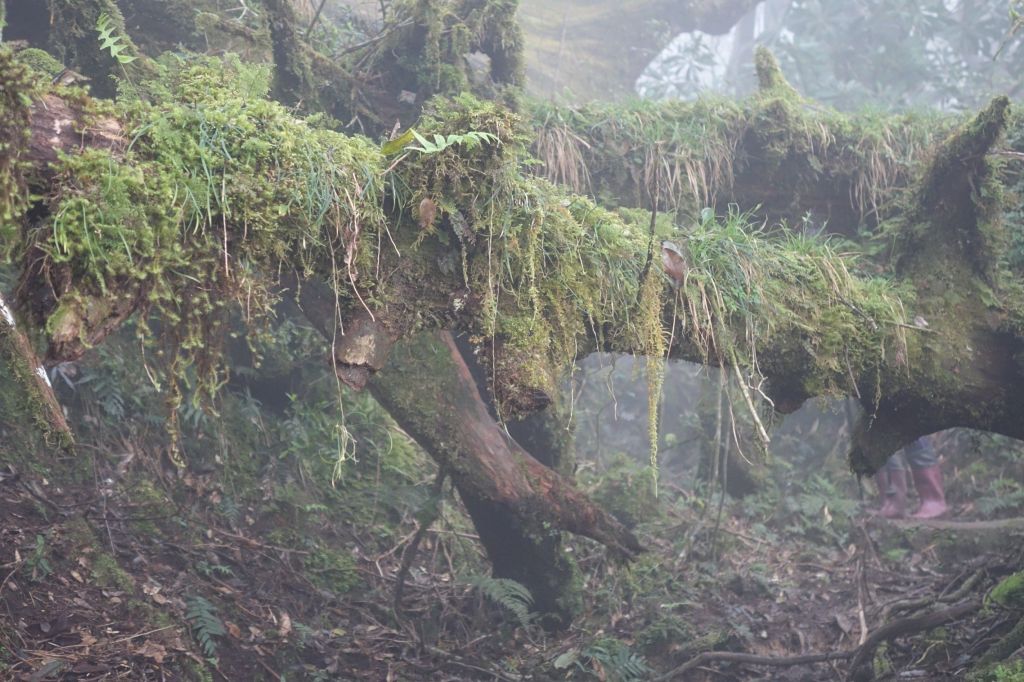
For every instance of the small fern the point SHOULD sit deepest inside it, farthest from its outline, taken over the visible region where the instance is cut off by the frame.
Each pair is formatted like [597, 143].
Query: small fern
[510, 595]
[206, 626]
[114, 44]
[469, 140]
[616, 660]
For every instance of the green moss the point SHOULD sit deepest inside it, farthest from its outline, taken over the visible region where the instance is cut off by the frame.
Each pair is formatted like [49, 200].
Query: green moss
[152, 503]
[23, 425]
[428, 56]
[1009, 593]
[1001, 672]
[40, 61]
[293, 77]
[627, 492]
[773, 146]
[769, 75]
[16, 92]
[106, 573]
[152, 222]
[331, 569]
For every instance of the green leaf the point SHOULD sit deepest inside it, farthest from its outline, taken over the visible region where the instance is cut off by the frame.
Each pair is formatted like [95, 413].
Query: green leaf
[396, 145]
[566, 659]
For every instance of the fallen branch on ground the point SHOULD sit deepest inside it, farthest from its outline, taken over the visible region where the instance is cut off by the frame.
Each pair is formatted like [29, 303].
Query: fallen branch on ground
[860, 655]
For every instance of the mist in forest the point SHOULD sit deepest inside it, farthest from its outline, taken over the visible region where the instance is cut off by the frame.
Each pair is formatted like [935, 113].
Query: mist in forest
[511, 340]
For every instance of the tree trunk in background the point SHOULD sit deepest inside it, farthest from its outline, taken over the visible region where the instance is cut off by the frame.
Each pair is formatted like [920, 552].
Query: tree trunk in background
[741, 473]
[596, 49]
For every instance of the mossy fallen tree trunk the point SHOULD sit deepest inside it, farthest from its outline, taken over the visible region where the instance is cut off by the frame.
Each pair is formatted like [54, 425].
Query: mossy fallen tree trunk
[776, 154]
[458, 236]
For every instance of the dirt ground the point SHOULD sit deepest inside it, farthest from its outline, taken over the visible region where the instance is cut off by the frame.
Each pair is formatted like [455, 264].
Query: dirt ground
[97, 585]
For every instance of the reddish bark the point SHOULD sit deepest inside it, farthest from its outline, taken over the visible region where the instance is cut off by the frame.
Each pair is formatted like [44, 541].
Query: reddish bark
[517, 504]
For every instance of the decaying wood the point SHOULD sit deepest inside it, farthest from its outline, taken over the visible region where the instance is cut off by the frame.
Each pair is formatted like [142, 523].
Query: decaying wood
[58, 127]
[25, 382]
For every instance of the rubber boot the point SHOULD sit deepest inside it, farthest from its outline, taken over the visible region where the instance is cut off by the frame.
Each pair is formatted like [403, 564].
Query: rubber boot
[931, 492]
[892, 483]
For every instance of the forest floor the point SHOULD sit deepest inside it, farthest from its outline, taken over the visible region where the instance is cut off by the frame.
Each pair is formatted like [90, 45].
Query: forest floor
[105, 579]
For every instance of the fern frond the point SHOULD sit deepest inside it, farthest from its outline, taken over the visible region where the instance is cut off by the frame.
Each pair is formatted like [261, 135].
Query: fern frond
[509, 594]
[617, 660]
[114, 44]
[206, 626]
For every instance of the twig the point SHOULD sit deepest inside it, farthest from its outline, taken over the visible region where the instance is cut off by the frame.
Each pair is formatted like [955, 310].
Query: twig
[274, 675]
[920, 602]
[410, 553]
[316, 18]
[254, 543]
[13, 571]
[752, 659]
[859, 655]
[455, 660]
[906, 626]
[377, 38]
[119, 640]
[860, 602]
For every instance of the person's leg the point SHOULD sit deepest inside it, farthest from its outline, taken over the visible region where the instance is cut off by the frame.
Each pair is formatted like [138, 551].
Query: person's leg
[892, 487]
[927, 474]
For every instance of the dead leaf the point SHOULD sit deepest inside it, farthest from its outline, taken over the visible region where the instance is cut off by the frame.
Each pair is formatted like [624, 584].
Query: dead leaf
[675, 262]
[285, 627]
[427, 213]
[153, 651]
[233, 629]
[77, 576]
[844, 623]
[176, 644]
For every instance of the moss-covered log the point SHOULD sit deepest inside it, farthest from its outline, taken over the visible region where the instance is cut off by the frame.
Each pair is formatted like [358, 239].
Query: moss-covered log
[776, 153]
[535, 275]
